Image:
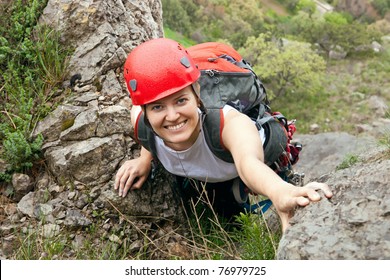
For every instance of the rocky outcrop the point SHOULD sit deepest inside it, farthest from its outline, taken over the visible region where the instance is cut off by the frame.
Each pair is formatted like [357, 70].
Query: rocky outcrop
[323, 152]
[354, 224]
[103, 32]
[87, 137]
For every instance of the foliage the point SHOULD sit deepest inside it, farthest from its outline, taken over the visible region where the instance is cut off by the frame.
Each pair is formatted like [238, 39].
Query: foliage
[210, 238]
[256, 239]
[232, 20]
[177, 15]
[20, 152]
[334, 29]
[286, 67]
[385, 141]
[337, 18]
[32, 65]
[382, 6]
[235, 21]
[307, 6]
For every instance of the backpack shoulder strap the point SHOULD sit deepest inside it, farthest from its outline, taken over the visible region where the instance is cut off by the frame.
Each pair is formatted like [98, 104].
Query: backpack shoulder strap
[212, 128]
[274, 129]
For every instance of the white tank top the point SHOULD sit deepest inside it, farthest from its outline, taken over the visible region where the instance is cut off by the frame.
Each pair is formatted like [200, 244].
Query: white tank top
[197, 162]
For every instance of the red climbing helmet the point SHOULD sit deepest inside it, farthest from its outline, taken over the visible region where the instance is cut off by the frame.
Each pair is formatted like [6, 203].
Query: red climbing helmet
[157, 69]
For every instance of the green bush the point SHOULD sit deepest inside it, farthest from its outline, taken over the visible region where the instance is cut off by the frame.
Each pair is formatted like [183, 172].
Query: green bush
[286, 67]
[32, 65]
[21, 152]
[382, 6]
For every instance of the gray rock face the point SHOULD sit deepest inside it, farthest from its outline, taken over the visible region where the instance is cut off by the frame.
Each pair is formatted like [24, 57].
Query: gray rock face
[91, 161]
[323, 152]
[354, 224]
[103, 32]
[88, 136]
[158, 199]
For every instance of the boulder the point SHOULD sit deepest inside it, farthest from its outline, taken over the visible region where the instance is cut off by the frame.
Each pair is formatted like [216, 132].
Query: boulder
[353, 225]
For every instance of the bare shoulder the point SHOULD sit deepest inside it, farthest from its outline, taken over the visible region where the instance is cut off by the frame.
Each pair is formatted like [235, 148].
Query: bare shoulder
[236, 120]
[238, 129]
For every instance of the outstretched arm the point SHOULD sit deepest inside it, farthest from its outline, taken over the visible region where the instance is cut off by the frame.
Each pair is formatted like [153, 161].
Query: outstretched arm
[246, 148]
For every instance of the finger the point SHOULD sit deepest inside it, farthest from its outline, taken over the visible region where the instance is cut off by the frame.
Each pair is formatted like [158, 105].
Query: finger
[307, 193]
[123, 182]
[328, 193]
[127, 185]
[321, 186]
[317, 186]
[302, 201]
[118, 177]
[137, 184]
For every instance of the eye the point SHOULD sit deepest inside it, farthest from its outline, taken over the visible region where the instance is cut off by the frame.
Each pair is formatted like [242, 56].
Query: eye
[182, 101]
[156, 107]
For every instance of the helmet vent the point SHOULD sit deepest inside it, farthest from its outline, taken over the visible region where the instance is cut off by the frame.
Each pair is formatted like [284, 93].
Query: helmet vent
[133, 85]
[184, 61]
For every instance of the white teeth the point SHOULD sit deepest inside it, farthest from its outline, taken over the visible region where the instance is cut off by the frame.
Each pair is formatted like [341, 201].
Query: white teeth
[175, 127]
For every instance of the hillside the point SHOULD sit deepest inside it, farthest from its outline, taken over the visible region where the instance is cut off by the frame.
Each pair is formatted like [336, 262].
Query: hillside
[274, 6]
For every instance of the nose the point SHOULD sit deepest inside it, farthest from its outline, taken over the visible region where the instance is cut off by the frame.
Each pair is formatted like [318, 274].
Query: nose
[172, 114]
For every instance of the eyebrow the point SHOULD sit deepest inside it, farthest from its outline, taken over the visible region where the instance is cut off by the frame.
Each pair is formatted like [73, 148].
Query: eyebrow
[185, 94]
[181, 96]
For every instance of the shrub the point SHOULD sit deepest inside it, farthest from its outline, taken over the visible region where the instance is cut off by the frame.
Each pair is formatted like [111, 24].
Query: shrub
[32, 65]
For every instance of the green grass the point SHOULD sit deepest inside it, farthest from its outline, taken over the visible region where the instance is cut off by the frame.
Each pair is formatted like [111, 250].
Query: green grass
[186, 42]
[206, 237]
[210, 237]
[348, 161]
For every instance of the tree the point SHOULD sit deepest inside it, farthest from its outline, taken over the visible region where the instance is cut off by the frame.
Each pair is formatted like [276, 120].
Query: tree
[382, 6]
[176, 16]
[333, 29]
[286, 67]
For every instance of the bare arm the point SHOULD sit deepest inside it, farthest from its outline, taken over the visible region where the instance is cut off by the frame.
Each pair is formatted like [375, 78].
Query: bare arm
[246, 148]
[133, 173]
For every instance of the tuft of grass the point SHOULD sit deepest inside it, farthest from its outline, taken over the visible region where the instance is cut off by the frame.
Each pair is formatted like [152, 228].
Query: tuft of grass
[348, 161]
[246, 237]
[256, 240]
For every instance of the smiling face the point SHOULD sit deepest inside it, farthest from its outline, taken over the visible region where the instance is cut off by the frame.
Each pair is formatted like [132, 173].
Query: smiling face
[176, 118]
